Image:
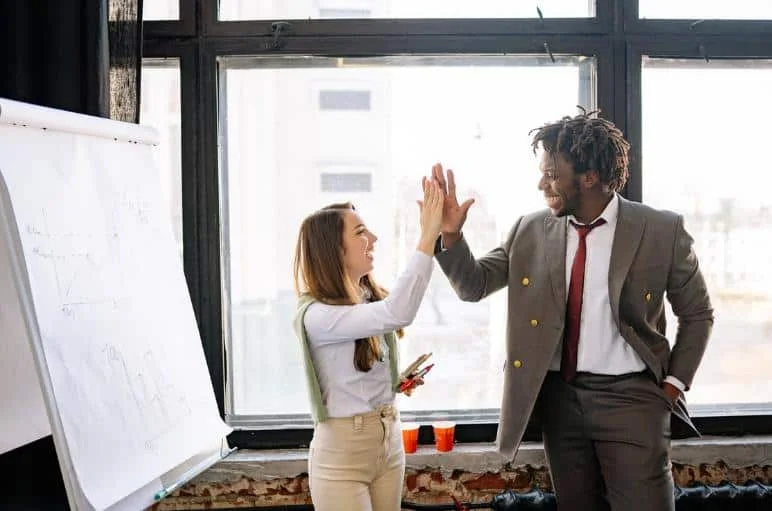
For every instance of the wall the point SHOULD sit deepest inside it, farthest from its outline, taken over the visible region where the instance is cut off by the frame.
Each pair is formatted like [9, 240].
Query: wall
[471, 473]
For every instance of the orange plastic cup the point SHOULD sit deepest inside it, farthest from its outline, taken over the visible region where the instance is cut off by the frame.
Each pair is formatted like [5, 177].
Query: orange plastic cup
[410, 437]
[444, 433]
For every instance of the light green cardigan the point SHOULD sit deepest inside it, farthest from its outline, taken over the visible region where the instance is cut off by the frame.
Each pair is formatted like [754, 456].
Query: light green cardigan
[318, 410]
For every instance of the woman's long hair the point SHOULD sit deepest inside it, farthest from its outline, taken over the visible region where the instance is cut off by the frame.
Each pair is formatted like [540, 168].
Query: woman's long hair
[320, 272]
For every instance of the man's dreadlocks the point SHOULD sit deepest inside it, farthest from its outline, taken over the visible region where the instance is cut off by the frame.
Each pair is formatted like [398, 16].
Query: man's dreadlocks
[588, 143]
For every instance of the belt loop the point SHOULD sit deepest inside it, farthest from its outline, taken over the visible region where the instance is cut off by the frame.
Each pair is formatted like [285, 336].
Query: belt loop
[358, 422]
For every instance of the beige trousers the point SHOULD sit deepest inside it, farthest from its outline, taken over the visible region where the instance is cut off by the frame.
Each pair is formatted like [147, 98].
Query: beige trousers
[357, 463]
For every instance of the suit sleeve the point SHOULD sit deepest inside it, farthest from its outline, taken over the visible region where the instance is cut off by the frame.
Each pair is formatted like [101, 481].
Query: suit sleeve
[474, 279]
[688, 295]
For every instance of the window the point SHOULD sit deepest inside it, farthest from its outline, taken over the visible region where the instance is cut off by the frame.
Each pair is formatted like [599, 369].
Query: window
[706, 9]
[385, 88]
[160, 10]
[160, 108]
[344, 100]
[275, 139]
[702, 127]
[249, 9]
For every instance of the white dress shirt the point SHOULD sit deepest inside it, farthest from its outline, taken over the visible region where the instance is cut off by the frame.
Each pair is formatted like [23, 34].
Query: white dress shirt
[602, 349]
[333, 329]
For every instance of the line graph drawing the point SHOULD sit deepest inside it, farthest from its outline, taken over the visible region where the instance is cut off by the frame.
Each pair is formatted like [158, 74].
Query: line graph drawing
[92, 268]
[83, 263]
[157, 404]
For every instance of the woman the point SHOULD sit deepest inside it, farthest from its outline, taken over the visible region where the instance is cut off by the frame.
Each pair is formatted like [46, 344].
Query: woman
[347, 325]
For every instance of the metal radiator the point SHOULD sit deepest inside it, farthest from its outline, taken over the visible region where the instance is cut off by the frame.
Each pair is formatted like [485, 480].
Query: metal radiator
[751, 496]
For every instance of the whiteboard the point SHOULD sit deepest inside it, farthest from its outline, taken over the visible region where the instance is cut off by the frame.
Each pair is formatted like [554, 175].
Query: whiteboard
[104, 307]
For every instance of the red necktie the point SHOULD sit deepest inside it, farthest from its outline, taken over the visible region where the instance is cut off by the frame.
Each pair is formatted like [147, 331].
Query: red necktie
[574, 305]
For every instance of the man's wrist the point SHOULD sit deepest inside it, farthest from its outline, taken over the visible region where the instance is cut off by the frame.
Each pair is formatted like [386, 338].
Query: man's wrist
[675, 382]
[448, 239]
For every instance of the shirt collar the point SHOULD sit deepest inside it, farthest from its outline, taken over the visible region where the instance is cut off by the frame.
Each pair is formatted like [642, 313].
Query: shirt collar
[609, 214]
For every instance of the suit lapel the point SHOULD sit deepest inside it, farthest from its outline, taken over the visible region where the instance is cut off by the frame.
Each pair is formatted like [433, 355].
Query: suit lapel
[555, 251]
[627, 237]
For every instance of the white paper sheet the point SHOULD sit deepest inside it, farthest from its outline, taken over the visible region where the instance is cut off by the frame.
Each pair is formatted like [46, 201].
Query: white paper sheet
[23, 417]
[116, 323]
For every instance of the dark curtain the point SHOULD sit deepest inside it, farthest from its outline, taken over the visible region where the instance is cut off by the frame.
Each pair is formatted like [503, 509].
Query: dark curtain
[83, 56]
[125, 39]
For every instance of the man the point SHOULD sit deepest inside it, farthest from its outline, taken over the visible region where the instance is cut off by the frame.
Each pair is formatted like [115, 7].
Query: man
[586, 346]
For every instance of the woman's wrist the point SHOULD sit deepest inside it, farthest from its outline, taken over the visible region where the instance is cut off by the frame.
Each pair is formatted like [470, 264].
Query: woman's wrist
[426, 244]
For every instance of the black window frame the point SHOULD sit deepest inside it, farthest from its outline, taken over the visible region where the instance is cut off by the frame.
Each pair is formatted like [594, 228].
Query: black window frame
[615, 37]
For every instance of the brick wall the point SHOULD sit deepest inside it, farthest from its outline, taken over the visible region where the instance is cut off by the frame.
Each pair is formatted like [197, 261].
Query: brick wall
[422, 485]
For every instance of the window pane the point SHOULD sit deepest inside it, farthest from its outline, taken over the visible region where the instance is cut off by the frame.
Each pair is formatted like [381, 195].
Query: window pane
[285, 156]
[160, 108]
[160, 10]
[706, 9]
[701, 159]
[316, 9]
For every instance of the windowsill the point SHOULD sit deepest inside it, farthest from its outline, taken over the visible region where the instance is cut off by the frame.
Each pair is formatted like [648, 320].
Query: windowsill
[478, 458]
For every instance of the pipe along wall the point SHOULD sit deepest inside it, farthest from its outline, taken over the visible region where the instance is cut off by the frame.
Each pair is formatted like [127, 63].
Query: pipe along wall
[751, 496]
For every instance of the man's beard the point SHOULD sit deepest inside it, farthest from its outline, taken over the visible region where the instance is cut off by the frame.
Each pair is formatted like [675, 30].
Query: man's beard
[570, 205]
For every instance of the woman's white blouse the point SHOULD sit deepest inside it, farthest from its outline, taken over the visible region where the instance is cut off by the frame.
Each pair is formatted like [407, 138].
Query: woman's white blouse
[332, 330]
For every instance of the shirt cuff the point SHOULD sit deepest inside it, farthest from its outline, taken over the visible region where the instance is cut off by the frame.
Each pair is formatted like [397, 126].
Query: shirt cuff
[443, 248]
[675, 382]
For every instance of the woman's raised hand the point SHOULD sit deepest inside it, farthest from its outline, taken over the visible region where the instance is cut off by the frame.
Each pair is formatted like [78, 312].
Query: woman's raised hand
[431, 208]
